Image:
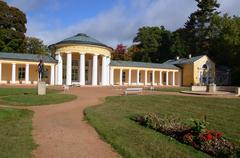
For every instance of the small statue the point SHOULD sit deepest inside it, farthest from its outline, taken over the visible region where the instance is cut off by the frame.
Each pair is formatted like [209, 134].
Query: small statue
[40, 70]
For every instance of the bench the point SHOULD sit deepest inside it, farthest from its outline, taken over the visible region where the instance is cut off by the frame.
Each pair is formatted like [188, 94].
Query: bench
[133, 91]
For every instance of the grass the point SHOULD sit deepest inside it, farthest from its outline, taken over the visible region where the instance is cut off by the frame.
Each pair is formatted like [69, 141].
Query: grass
[15, 133]
[111, 120]
[19, 91]
[174, 89]
[29, 97]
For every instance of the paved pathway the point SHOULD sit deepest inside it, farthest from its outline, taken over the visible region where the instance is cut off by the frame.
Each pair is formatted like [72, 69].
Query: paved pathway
[61, 131]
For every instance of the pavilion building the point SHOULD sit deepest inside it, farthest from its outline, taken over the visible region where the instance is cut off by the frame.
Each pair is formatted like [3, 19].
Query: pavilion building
[83, 60]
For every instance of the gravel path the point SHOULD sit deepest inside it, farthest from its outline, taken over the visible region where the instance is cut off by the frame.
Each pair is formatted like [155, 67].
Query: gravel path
[61, 132]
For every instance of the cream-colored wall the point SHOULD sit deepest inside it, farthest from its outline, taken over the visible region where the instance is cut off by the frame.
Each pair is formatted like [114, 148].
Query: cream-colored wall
[198, 64]
[6, 72]
[116, 76]
[134, 76]
[83, 48]
[33, 73]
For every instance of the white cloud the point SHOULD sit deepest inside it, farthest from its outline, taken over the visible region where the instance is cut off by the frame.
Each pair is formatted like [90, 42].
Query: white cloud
[27, 5]
[120, 24]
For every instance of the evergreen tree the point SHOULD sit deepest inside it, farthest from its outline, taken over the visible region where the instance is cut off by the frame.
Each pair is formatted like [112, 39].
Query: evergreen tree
[12, 29]
[198, 26]
[178, 47]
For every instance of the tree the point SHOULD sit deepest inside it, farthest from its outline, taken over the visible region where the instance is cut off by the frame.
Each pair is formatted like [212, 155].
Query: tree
[154, 44]
[36, 46]
[12, 29]
[225, 44]
[119, 52]
[178, 47]
[198, 26]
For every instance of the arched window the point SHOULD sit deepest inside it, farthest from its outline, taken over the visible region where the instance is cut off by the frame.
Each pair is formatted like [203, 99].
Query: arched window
[205, 67]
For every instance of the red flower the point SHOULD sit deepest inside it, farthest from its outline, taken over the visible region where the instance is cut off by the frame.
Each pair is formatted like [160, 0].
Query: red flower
[209, 136]
[219, 134]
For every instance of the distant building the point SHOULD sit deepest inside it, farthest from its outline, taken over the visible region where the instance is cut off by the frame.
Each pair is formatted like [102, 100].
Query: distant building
[223, 75]
[198, 70]
[83, 60]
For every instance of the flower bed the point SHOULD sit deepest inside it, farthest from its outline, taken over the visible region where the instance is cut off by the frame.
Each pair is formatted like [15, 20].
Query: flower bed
[195, 134]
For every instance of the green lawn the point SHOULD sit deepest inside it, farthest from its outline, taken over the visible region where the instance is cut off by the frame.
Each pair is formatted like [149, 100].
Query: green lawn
[173, 89]
[20, 91]
[29, 97]
[131, 140]
[15, 133]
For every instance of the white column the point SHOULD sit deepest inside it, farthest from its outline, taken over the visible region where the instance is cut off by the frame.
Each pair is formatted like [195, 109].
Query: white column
[160, 77]
[167, 78]
[52, 75]
[112, 76]
[0, 72]
[82, 69]
[120, 76]
[153, 77]
[138, 76]
[108, 71]
[104, 71]
[59, 69]
[145, 78]
[94, 70]
[173, 78]
[69, 69]
[129, 76]
[27, 74]
[13, 81]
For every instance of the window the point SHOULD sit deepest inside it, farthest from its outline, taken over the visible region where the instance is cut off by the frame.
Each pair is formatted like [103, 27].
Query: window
[75, 69]
[140, 76]
[124, 76]
[164, 77]
[21, 73]
[151, 75]
[74, 74]
[45, 73]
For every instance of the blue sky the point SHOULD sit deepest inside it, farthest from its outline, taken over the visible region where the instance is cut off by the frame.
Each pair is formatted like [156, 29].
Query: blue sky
[110, 21]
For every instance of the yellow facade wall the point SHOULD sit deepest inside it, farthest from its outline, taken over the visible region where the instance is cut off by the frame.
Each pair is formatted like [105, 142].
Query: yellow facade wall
[6, 72]
[84, 48]
[187, 73]
[33, 72]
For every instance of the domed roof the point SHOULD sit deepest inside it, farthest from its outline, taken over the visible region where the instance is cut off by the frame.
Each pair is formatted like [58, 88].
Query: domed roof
[81, 38]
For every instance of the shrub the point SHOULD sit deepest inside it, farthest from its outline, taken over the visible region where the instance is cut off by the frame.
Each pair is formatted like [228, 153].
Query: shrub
[193, 133]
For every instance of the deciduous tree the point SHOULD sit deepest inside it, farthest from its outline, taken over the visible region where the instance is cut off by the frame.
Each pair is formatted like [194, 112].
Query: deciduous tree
[36, 46]
[12, 29]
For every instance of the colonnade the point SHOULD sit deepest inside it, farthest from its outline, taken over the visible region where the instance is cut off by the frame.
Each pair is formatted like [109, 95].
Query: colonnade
[161, 75]
[104, 78]
[25, 65]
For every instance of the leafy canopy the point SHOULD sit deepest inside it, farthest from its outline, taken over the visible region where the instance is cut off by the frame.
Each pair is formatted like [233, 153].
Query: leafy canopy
[12, 29]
